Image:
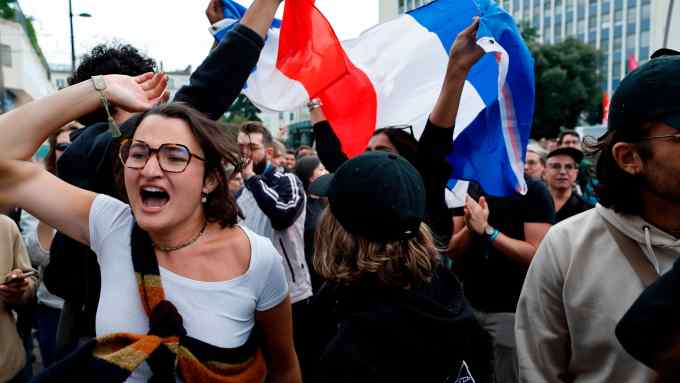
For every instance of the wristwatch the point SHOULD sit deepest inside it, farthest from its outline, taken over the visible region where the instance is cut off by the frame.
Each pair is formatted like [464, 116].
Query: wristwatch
[491, 233]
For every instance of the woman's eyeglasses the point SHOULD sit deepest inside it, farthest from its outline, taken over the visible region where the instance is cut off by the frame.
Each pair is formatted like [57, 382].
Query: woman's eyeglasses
[172, 158]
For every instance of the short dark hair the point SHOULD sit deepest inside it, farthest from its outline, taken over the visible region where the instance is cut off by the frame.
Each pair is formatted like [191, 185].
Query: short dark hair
[618, 189]
[290, 151]
[253, 127]
[219, 153]
[109, 59]
[404, 142]
[51, 157]
[567, 133]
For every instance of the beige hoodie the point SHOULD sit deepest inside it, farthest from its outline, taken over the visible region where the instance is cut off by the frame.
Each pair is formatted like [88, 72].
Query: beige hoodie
[578, 287]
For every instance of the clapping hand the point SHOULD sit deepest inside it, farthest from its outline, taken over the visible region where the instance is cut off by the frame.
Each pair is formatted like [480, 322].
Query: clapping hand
[476, 215]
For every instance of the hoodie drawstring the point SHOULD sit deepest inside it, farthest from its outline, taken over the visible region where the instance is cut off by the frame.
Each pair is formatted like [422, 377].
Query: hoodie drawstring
[650, 250]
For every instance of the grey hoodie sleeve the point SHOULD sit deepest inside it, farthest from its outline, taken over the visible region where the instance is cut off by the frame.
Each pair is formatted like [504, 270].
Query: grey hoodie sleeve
[541, 329]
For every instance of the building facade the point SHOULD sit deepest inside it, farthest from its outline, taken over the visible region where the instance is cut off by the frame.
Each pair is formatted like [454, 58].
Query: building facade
[625, 31]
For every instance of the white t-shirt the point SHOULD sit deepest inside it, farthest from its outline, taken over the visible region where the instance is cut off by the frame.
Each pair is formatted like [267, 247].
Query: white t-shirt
[219, 313]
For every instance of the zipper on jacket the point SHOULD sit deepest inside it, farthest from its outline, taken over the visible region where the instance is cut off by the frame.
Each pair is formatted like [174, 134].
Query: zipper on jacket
[285, 255]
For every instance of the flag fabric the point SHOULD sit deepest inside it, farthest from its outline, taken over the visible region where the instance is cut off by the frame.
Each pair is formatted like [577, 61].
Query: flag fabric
[392, 74]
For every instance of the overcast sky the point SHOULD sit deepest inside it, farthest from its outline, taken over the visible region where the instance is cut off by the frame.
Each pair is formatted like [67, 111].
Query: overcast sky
[172, 31]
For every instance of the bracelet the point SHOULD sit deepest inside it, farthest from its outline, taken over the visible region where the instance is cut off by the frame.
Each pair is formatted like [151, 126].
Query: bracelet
[100, 85]
[494, 235]
[313, 104]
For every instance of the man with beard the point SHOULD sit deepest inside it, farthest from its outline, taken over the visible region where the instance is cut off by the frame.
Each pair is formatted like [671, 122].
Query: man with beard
[273, 202]
[590, 269]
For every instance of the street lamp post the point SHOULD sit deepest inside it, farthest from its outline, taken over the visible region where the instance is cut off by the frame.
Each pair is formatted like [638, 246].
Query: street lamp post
[73, 44]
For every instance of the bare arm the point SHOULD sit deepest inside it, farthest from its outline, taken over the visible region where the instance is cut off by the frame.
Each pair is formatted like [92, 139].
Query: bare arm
[277, 326]
[522, 251]
[461, 239]
[63, 206]
[260, 15]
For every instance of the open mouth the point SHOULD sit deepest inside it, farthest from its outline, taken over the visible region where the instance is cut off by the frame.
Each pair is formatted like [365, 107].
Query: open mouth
[154, 197]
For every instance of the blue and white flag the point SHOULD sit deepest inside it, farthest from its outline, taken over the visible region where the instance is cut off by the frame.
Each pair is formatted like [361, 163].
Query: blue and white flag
[404, 61]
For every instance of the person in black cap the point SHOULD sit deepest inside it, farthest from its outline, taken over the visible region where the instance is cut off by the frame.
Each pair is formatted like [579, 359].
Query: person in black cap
[561, 172]
[591, 268]
[392, 313]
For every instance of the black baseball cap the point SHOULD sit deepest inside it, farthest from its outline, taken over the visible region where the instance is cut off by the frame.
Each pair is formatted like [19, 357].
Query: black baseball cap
[376, 195]
[647, 94]
[574, 153]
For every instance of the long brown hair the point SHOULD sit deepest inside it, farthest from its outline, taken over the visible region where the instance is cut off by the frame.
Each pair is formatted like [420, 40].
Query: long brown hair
[219, 151]
[346, 258]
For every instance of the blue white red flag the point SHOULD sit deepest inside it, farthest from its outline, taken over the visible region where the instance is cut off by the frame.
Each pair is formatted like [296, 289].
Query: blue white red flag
[392, 73]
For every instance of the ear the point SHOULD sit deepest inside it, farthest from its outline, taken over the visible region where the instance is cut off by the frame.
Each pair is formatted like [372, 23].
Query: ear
[627, 157]
[210, 183]
[269, 152]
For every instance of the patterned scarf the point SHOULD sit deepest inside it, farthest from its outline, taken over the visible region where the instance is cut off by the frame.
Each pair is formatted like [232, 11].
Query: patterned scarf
[166, 348]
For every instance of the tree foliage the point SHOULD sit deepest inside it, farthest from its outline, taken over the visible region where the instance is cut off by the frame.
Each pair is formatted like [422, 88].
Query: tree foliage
[242, 110]
[567, 84]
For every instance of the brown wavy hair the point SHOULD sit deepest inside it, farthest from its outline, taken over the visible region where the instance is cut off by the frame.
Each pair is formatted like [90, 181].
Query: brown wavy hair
[346, 258]
[220, 153]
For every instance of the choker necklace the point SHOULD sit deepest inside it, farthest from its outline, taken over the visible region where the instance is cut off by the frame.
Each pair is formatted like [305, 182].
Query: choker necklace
[181, 245]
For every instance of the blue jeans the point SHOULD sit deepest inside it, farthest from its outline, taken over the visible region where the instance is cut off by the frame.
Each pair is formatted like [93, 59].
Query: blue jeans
[48, 320]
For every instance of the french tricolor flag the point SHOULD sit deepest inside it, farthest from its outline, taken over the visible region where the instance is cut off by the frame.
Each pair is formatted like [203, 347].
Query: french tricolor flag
[392, 74]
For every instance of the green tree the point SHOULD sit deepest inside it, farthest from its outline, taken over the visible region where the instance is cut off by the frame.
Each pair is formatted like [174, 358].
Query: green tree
[242, 110]
[567, 84]
[6, 11]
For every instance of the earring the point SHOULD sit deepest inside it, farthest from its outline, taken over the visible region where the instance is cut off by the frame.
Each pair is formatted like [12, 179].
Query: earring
[204, 198]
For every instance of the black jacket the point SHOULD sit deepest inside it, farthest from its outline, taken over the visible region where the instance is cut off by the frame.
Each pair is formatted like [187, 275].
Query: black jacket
[373, 334]
[433, 147]
[651, 327]
[73, 272]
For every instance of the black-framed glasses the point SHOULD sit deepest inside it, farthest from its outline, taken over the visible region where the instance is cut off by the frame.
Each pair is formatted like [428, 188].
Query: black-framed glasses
[675, 136]
[402, 127]
[172, 158]
[61, 146]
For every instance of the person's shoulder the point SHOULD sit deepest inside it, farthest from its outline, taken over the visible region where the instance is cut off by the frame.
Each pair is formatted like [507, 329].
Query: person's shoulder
[7, 224]
[260, 246]
[572, 229]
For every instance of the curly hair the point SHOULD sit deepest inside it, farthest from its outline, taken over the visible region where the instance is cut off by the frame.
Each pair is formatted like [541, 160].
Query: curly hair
[110, 59]
[346, 258]
[221, 155]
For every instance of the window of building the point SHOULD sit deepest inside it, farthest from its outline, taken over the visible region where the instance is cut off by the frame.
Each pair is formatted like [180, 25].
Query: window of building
[581, 37]
[631, 15]
[592, 36]
[617, 43]
[618, 17]
[618, 31]
[615, 84]
[632, 3]
[644, 12]
[604, 20]
[616, 69]
[592, 23]
[515, 5]
[644, 54]
[581, 26]
[644, 25]
[546, 5]
[569, 27]
[644, 39]
[606, 8]
[6, 55]
[618, 4]
[630, 41]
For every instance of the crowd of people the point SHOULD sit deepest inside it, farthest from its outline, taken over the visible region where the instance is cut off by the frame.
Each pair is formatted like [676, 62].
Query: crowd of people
[155, 244]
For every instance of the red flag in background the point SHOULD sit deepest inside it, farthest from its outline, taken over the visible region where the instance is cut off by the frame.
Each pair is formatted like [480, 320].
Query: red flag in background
[632, 63]
[605, 108]
[310, 52]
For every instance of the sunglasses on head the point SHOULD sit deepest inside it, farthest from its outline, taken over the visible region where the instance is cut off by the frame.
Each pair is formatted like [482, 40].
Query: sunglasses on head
[404, 127]
[62, 146]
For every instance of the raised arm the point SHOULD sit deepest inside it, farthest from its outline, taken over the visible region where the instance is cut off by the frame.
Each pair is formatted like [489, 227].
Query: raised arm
[328, 146]
[25, 184]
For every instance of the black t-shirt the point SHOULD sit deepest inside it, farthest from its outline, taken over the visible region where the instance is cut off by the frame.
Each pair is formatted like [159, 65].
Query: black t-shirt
[493, 281]
[574, 205]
